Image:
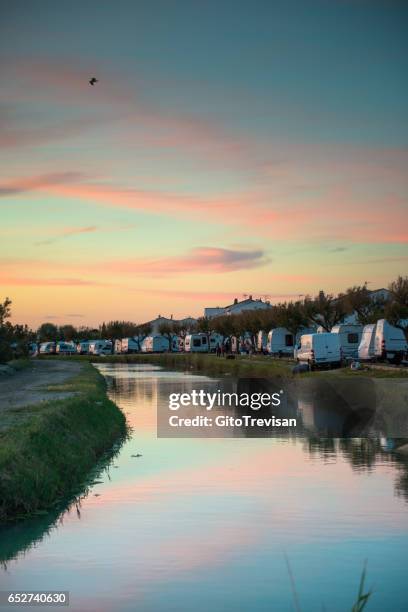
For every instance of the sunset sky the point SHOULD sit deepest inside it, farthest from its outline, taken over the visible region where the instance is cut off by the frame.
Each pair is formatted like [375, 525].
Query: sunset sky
[229, 148]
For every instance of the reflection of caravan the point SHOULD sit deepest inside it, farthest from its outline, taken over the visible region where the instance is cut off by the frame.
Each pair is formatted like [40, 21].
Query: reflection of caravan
[389, 342]
[366, 346]
[349, 336]
[280, 342]
[155, 344]
[196, 343]
[100, 347]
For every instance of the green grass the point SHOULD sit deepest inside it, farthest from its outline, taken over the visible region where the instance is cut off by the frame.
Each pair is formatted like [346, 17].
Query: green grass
[19, 364]
[202, 363]
[47, 450]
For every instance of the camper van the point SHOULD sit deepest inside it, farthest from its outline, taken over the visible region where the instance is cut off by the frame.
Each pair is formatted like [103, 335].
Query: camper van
[155, 344]
[130, 345]
[350, 336]
[280, 342]
[196, 343]
[65, 348]
[366, 346]
[47, 348]
[83, 347]
[319, 349]
[100, 347]
[390, 343]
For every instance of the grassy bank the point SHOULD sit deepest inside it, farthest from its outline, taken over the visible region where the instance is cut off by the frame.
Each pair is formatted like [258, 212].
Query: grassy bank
[47, 449]
[210, 364]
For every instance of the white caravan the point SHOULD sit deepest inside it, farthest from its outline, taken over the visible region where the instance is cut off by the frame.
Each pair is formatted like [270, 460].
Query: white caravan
[261, 342]
[319, 349]
[366, 346]
[65, 348]
[350, 336]
[280, 342]
[83, 347]
[196, 343]
[130, 345]
[100, 347]
[390, 342]
[155, 344]
[47, 348]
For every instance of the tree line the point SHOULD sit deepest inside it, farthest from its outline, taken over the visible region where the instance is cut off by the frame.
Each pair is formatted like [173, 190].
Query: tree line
[325, 310]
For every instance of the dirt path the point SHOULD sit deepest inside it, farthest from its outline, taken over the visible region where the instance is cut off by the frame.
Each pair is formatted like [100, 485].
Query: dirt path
[29, 386]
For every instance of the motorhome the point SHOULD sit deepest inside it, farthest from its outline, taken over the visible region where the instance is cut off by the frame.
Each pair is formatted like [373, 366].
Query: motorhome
[100, 347]
[155, 344]
[196, 343]
[280, 342]
[47, 348]
[83, 347]
[366, 347]
[390, 343]
[350, 336]
[319, 349]
[65, 348]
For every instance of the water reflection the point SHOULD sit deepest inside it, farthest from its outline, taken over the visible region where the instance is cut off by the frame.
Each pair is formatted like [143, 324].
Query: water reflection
[205, 523]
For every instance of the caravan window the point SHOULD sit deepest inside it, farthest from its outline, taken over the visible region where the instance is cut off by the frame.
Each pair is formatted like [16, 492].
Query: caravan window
[352, 338]
[288, 340]
[204, 340]
[196, 342]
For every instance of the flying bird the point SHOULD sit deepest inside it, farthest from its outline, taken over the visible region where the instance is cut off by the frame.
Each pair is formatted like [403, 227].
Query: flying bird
[93, 81]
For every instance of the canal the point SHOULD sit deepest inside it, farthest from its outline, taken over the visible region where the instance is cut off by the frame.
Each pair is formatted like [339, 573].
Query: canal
[220, 523]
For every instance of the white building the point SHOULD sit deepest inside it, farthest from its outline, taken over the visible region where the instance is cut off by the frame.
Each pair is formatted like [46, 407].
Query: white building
[236, 307]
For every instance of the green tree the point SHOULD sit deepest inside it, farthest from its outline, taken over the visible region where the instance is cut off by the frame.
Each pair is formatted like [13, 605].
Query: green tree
[67, 333]
[359, 299]
[325, 310]
[396, 310]
[293, 316]
[47, 332]
[5, 311]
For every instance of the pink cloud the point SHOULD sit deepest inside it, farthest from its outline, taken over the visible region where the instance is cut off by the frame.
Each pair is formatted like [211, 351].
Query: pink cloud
[205, 260]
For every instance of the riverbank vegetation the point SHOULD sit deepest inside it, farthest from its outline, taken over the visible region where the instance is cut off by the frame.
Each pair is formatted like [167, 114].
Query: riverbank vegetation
[48, 449]
[258, 366]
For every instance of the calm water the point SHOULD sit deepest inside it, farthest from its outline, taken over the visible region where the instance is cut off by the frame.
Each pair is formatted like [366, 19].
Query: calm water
[205, 524]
